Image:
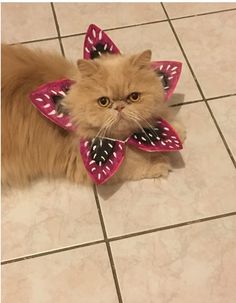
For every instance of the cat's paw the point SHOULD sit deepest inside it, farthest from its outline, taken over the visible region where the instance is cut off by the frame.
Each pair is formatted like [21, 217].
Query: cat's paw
[160, 170]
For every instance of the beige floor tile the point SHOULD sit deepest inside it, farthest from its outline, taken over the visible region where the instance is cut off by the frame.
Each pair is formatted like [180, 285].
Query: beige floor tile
[186, 9]
[194, 263]
[157, 37]
[49, 45]
[47, 216]
[105, 15]
[224, 111]
[82, 275]
[27, 21]
[202, 184]
[211, 50]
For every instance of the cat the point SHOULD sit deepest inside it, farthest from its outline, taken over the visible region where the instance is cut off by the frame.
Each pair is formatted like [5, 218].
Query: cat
[113, 96]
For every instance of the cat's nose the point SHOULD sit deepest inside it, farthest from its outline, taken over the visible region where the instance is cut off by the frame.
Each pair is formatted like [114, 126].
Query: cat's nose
[119, 107]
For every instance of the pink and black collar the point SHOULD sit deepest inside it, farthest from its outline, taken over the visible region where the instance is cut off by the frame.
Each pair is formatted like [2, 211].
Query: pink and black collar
[102, 157]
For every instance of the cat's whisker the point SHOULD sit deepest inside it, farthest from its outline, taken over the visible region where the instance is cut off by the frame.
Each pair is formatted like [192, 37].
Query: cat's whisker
[151, 127]
[136, 120]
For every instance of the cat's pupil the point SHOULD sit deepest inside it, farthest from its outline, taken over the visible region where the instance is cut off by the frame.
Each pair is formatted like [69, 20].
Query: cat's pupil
[134, 96]
[103, 101]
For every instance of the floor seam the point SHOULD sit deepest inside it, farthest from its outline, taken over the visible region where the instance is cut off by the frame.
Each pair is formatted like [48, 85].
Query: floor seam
[117, 238]
[112, 264]
[57, 28]
[200, 89]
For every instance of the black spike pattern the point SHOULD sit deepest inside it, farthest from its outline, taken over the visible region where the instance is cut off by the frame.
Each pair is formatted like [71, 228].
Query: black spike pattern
[150, 136]
[98, 50]
[101, 150]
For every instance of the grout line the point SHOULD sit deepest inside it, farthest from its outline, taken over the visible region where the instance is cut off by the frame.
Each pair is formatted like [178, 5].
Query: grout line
[112, 239]
[36, 40]
[207, 99]
[114, 28]
[186, 103]
[57, 28]
[203, 14]
[199, 88]
[108, 246]
[50, 252]
[150, 231]
[219, 97]
[119, 27]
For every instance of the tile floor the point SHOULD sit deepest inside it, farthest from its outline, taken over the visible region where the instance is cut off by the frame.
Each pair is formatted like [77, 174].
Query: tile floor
[150, 241]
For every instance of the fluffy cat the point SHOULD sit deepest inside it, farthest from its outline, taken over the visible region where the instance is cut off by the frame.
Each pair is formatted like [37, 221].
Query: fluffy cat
[113, 96]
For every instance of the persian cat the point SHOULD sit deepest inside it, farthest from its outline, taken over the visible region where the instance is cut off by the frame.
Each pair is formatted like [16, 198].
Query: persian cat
[113, 96]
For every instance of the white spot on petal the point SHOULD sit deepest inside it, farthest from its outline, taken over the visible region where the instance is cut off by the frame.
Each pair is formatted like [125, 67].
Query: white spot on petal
[100, 163]
[110, 145]
[90, 40]
[62, 93]
[105, 152]
[60, 115]
[105, 46]
[120, 146]
[103, 158]
[110, 161]
[111, 48]
[91, 162]
[46, 105]
[166, 128]
[161, 67]
[169, 78]
[168, 66]
[94, 147]
[94, 33]
[47, 96]
[39, 99]
[86, 143]
[100, 35]
[174, 72]
[53, 91]
[107, 168]
[87, 50]
[99, 176]
[52, 112]
[114, 154]
[143, 138]
[174, 68]
[93, 169]
[69, 124]
[163, 143]
[104, 172]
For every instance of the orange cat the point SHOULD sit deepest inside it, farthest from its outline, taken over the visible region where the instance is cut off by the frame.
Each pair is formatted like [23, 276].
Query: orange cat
[34, 147]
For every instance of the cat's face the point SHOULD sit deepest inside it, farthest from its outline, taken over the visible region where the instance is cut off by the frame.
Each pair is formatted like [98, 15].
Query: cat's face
[115, 95]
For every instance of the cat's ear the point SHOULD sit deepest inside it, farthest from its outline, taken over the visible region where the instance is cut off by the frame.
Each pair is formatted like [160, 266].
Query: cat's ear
[87, 67]
[142, 59]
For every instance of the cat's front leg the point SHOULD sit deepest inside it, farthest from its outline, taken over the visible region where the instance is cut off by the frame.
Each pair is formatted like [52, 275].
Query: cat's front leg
[142, 165]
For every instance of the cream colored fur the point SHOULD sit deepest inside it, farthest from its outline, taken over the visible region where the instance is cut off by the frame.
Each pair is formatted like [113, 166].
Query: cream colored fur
[33, 147]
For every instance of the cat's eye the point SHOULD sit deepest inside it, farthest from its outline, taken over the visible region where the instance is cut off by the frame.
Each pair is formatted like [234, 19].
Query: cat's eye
[104, 101]
[134, 97]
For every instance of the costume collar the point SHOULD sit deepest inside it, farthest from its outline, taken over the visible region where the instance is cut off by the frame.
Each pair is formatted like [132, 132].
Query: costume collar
[103, 156]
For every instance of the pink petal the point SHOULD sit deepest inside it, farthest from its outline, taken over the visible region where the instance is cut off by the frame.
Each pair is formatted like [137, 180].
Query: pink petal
[171, 71]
